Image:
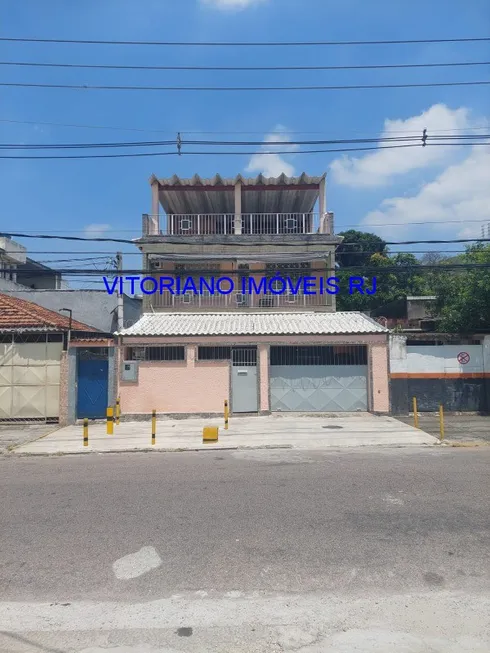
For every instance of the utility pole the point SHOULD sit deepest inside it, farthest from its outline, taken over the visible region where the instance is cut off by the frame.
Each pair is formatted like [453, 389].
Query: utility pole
[120, 298]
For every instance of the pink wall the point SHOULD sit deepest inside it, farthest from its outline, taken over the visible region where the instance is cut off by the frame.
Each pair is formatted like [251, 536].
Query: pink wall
[379, 378]
[177, 387]
[264, 376]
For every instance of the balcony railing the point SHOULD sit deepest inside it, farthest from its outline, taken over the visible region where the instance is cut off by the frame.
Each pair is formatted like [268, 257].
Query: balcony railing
[208, 224]
[237, 301]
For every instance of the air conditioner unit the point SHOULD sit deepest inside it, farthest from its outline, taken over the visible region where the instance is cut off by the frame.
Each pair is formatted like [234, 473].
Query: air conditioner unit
[129, 371]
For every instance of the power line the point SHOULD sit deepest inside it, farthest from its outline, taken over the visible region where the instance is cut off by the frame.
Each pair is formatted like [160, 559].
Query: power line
[148, 240]
[247, 43]
[248, 153]
[345, 141]
[88, 87]
[33, 64]
[401, 269]
[188, 131]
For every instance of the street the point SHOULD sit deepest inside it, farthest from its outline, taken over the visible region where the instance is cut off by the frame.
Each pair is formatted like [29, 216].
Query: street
[281, 550]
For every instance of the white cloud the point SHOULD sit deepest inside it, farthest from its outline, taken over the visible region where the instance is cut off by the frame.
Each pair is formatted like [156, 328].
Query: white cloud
[232, 4]
[95, 230]
[453, 201]
[272, 164]
[379, 168]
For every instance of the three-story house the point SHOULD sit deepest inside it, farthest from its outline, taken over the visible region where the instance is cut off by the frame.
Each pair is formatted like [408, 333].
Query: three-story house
[240, 305]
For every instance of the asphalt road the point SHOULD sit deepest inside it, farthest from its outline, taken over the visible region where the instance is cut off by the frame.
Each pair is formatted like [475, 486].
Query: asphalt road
[246, 551]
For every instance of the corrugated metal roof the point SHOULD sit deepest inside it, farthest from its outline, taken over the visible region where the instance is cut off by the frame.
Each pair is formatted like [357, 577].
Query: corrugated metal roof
[225, 324]
[196, 200]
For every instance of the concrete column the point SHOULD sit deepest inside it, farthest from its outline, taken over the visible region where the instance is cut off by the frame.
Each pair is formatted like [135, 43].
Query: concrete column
[378, 382]
[238, 207]
[264, 406]
[68, 387]
[112, 378]
[322, 202]
[155, 210]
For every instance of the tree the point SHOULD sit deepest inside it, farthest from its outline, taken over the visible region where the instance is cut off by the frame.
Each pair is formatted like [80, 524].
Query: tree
[464, 296]
[358, 247]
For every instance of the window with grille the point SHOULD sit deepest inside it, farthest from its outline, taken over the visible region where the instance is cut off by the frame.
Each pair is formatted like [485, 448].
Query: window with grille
[165, 353]
[213, 353]
[319, 355]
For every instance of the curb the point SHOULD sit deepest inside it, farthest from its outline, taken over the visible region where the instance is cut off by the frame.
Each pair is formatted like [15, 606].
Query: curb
[28, 454]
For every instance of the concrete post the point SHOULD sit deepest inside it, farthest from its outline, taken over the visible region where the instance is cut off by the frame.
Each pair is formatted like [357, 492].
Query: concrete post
[155, 210]
[264, 378]
[238, 207]
[322, 202]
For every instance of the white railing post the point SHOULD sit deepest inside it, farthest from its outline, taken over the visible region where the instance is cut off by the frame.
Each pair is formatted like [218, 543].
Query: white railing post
[304, 231]
[198, 224]
[277, 223]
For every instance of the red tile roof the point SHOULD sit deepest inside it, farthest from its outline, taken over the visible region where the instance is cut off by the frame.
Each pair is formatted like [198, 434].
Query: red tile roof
[20, 314]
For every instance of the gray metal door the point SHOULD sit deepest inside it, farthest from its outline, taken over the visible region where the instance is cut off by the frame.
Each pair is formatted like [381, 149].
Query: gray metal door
[318, 379]
[244, 390]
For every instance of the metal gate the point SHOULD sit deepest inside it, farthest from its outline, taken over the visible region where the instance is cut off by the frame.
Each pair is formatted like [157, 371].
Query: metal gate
[244, 390]
[30, 376]
[93, 383]
[318, 379]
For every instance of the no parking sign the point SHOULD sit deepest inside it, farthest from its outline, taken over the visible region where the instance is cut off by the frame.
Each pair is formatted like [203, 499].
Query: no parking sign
[463, 357]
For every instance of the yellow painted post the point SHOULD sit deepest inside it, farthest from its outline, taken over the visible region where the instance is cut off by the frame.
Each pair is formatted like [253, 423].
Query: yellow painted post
[118, 410]
[415, 413]
[226, 414]
[153, 426]
[441, 421]
[110, 421]
[210, 434]
[85, 432]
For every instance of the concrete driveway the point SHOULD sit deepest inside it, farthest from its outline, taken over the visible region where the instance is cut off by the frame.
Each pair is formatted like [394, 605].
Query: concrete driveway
[274, 431]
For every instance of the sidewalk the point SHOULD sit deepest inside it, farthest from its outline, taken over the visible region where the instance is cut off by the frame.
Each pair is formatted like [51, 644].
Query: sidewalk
[244, 433]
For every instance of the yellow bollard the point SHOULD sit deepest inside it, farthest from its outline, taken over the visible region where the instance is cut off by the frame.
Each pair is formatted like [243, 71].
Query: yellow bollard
[85, 432]
[110, 421]
[415, 413]
[441, 421]
[153, 426]
[210, 434]
[118, 410]
[226, 414]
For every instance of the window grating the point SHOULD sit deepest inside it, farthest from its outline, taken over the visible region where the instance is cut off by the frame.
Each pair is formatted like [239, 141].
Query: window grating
[214, 353]
[319, 355]
[244, 356]
[165, 353]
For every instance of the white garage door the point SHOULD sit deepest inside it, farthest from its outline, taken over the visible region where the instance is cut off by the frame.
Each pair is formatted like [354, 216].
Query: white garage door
[30, 377]
[318, 379]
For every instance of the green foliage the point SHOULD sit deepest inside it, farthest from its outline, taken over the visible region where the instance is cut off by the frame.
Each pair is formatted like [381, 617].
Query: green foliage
[358, 247]
[464, 296]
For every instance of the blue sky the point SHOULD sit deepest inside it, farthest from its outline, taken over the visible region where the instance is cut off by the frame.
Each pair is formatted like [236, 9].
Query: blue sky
[442, 190]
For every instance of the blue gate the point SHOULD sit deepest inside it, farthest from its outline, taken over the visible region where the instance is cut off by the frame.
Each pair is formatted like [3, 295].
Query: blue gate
[93, 386]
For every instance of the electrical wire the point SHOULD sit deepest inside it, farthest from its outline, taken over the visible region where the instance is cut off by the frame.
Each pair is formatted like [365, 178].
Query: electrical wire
[35, 64]
[248, 153]
[189, 132]
[182, 142]
[247, 43]
[88, 87]
[149, 241]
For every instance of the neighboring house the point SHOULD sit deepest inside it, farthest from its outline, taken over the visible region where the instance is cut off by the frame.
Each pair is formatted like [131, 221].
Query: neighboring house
[52, 368]
[94, 307]
[12, 255]
[411, 313]
[38, 276]
[273, 352]
[440, 368]
[18, 271]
